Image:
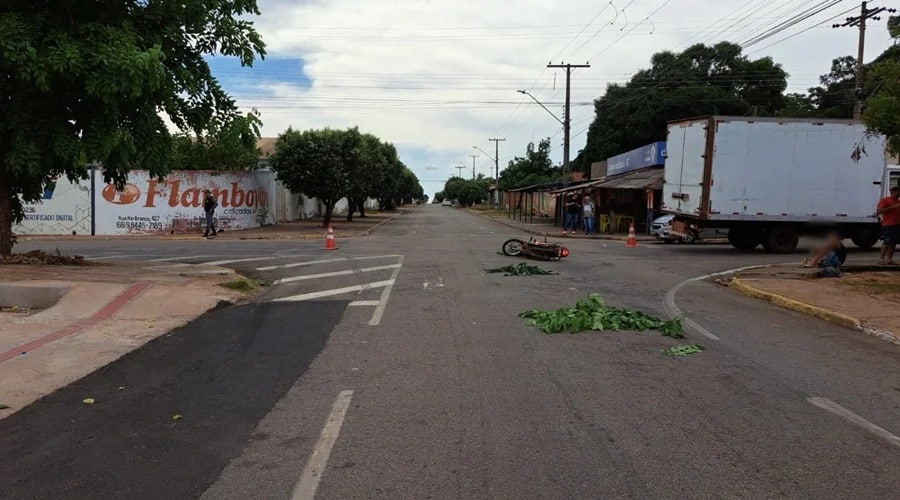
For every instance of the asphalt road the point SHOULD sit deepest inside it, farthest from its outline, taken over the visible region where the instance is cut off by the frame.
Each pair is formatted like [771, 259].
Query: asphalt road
[454, 396]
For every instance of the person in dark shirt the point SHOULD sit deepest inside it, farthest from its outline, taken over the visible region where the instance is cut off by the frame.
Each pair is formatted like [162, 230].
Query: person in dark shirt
[209, 209]
[573, 210]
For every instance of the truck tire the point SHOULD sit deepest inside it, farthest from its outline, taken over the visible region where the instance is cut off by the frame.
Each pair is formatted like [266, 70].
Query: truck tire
[781, 239]
[864, 238]
[743, 239]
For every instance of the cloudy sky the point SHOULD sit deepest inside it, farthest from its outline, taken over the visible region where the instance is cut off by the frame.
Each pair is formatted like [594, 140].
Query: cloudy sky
[436, 77]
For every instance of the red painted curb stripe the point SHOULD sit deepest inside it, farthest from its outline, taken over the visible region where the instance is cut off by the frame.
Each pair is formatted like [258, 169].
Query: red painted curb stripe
[104, 313]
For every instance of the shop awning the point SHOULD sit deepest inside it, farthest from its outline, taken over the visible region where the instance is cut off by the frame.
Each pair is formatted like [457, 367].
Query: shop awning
[645, 178]
[577, 187]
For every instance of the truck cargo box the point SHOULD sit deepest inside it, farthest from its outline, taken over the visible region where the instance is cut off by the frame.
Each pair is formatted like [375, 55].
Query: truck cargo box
[793, 170]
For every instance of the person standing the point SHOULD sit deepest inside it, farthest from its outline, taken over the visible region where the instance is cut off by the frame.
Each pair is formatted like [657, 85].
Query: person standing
[587, 215]
[573, 210]
[889, 210]
[209, 208]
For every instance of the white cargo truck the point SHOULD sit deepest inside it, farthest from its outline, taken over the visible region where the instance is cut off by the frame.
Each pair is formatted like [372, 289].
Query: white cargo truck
[769, 181]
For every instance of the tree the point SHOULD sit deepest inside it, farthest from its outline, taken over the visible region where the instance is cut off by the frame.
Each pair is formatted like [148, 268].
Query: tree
[439, 197]
[388, 182]
[701, 80]
[88, 81]
[314, 162]
[535, 167]
[363, 172]
[453, 187]
[229, 147]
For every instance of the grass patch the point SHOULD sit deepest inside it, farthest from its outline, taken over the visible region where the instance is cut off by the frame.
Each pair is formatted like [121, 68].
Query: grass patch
[241, 285]
[591, 313]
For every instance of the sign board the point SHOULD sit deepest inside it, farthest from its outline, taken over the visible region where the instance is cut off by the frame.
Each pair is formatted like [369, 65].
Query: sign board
[598, 170]
[650, 155]
[64, 209]
[147, 205]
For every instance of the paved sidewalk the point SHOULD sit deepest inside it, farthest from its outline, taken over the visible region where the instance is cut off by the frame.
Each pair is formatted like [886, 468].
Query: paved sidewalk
[295, 230]
[863, 299]
[103, 313]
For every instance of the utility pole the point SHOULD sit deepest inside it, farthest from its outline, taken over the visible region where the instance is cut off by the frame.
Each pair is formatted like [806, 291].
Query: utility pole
[860, 22]
[473, 165]
[460, 168]
[497, 169]
[567, 122]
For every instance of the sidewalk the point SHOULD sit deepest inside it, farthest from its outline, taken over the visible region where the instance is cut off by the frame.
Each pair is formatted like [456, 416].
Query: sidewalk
[863, 299]
[545, 227]
[90, 316]
[294, 230]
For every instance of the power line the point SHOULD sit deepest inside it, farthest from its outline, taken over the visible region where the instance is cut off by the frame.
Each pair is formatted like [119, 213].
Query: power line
[803, 31]
[812, 11]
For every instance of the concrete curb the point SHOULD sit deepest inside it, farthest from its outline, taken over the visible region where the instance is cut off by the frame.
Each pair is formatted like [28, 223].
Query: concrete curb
[545, 233]
[810, 310]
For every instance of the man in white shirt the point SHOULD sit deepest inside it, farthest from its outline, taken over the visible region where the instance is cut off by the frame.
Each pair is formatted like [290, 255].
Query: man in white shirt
[587, 215]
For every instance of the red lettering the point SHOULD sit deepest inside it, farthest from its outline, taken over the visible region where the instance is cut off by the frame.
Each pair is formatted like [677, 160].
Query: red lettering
[191, 198]
[221, 195]
[251, 198]
[263, 198]
[152, 192]
[173, 193]
[237, 195]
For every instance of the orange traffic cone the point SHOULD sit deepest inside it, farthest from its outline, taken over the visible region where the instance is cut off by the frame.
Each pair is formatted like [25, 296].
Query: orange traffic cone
[632, 239]
[330, 244]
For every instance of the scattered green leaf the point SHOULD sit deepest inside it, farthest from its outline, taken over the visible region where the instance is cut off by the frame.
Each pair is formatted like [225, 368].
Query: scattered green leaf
[523, 269]
[4, 407]
[89, 401]
[683, 350]
[177, 416]
[240, 285]
[591, 313]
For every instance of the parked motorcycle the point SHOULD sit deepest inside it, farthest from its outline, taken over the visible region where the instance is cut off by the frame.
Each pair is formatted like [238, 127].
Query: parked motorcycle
[535, 249]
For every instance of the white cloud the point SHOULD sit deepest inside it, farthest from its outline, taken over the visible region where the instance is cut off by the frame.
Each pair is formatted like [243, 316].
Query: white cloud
[435, 76]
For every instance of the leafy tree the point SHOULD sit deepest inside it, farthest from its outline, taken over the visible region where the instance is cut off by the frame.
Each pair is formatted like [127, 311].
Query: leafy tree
[314, 162]
[86, 81]
[453, 187]
[363, 170]
[230, 147]
[701, 80]
[409, 188]
[439, 197]
[535, 167]
[882, 112]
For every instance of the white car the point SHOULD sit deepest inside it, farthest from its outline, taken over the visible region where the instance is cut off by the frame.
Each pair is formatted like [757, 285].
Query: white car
[446, 203]
[660, 227]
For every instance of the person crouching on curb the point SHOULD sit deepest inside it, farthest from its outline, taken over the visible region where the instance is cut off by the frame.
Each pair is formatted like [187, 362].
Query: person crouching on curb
[830, 256]
[209, 208]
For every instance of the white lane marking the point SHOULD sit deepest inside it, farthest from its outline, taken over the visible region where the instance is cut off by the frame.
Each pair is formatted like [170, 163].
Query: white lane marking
[234, 261]
[831, 406]
[182, 257]
[385, 295]
[437, 284]
[315, 468]
[357, 303]
[345, 272]
[108, 257]
[324, 261]
[336, 291]
[673, 310]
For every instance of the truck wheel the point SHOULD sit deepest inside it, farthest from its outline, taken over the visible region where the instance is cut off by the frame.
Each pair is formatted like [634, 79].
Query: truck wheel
[690, 236]
[743, 240]
[781, 239]
[865, 238]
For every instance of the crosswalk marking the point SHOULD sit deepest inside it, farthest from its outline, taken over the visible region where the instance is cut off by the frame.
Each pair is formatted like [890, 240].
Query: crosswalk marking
[324, 261]
[183, 257]
[358, 303]
[235, 261]
[345, 272]
[336, 291]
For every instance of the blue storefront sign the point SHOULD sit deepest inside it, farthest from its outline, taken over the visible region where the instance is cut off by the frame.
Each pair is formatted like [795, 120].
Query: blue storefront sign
[650, 155]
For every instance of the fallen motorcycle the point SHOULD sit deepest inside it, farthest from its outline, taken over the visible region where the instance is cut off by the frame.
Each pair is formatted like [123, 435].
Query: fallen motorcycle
[535, 249]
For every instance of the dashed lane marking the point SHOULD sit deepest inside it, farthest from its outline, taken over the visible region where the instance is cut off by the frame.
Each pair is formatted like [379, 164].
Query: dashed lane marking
[315, 468]
[325, 261]
[345, 272]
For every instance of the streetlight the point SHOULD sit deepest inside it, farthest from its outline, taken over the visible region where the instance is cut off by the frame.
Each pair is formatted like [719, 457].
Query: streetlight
[564, 123]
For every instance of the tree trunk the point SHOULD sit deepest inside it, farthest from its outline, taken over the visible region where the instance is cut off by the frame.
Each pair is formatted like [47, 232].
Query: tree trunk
[350, 206]
[362, 209]
[329, 211]
[6, 218]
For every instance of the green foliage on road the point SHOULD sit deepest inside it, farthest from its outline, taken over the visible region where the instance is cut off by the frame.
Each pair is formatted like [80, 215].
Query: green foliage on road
[591, 313]
[87, 82]
[241, 285]
[522, 269]
[683, 350]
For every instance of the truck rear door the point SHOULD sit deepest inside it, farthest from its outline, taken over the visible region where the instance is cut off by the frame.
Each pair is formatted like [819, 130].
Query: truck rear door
[685, 151]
